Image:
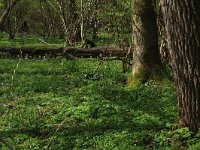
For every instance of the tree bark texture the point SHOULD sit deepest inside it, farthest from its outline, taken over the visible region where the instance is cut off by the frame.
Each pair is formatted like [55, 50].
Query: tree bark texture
[145, 38]
[182, 20]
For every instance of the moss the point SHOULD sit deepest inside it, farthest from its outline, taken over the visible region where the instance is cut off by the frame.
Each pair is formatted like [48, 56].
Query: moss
[143, 75]
[138, 78]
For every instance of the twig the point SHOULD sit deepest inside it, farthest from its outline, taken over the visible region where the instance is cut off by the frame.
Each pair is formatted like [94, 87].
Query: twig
[6, 144]
[14, 72]
[59, 126]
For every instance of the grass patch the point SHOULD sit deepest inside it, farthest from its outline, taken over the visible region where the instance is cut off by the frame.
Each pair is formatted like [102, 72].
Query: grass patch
[30, 41]
[62, 104]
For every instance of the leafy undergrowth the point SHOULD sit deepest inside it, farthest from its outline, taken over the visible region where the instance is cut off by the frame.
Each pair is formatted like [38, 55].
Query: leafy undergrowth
[84, 104]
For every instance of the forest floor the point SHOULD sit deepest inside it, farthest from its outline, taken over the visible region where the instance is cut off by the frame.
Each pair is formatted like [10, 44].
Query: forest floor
[60, 104]
[83, 104]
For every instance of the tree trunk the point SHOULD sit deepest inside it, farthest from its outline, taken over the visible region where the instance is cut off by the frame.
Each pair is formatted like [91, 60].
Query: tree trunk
[182, 20]
[145, 42]
[95, 21]
[74, 31]
[6, 12]
[82, 22]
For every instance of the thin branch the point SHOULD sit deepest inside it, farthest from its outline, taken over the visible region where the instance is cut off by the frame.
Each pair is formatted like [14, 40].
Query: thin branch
[6, 144]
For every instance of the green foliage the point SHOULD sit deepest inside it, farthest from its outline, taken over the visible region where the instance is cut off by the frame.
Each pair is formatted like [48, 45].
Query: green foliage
[83, 104]
[178, 139]
[29, 41]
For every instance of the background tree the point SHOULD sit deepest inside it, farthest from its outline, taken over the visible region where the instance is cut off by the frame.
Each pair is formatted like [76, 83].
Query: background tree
[9, 7]
[73, 19]
[182, 21]
[15, 22]
[108, 22]
[49, 23]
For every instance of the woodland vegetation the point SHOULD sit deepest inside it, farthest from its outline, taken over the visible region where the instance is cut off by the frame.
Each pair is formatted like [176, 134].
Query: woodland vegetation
[99, 74]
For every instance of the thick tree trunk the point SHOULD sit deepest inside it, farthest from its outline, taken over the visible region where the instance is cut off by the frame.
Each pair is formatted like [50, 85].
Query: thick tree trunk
[182, 19]
[6, 12]
[145, 41]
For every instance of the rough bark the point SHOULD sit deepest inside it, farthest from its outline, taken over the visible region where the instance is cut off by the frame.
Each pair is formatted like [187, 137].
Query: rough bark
[145, 40]
[6, 12]
[182, 20]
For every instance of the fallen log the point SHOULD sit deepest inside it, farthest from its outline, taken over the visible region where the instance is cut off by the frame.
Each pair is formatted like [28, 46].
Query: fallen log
[75, 52]
[96, 52]
[24, 51]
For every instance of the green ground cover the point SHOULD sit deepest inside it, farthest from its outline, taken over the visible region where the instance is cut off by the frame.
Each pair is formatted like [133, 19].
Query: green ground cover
[29, 41]
[62, 104]
[39, 42]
